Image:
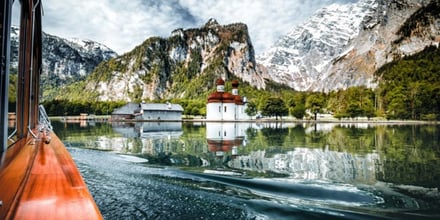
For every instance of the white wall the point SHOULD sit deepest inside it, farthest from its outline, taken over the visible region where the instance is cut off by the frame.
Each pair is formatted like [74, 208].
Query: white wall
[212, 111]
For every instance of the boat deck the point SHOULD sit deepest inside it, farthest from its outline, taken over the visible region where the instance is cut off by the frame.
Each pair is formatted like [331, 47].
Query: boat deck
[41, 181]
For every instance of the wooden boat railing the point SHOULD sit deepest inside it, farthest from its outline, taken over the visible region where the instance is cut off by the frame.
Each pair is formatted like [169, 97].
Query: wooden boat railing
[38, 178]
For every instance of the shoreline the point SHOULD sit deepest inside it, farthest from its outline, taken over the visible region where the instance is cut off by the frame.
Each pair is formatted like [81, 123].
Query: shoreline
[106, 118]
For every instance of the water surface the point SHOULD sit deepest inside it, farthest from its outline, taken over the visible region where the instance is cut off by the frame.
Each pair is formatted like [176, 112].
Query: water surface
[258, 171]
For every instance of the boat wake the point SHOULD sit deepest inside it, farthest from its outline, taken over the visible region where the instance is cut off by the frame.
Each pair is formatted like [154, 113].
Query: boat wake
[128, 189]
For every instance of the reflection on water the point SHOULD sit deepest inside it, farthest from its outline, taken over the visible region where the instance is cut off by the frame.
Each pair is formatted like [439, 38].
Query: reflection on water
[313, 164]
[377, 168]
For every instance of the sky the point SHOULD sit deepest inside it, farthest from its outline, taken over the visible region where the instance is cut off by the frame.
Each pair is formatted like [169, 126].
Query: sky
[121, 25]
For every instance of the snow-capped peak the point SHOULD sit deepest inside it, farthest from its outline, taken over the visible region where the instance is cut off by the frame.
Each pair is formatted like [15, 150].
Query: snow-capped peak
[89, 46]
[301, 56]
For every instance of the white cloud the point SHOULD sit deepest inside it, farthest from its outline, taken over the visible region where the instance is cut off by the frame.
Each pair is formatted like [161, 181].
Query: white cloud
[122, 25]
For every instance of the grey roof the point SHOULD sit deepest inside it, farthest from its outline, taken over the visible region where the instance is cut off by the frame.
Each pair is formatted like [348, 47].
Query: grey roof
[129, 108]
[161, 107]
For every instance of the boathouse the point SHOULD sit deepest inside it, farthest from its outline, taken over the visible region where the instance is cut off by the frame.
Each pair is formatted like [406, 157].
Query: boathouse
[127, 111]
[161, 112]
[149, 112]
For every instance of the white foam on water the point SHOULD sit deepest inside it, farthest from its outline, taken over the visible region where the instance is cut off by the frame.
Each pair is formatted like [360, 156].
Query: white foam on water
[133, 159]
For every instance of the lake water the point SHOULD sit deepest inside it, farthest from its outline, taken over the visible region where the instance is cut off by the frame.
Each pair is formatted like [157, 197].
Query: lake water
[258, 171]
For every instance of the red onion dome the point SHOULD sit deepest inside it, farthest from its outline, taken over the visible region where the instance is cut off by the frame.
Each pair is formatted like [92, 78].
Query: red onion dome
[235, 83]
[238, 100]
[215, 97]
[223, 145]
[220, 81]
[228, 97]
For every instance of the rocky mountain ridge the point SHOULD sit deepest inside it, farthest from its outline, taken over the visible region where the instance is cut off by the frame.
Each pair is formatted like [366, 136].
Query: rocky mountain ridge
[186, 64]
[64, 60]
[339, 47]
[343, 45]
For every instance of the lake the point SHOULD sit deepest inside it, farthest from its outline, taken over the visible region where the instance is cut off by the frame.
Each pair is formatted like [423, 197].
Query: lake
[204, 170]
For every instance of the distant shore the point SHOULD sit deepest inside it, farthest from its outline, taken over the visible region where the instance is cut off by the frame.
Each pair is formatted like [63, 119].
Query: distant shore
[106, 118]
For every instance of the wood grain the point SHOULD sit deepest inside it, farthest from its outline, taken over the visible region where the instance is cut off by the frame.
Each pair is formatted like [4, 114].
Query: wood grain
[42, 182]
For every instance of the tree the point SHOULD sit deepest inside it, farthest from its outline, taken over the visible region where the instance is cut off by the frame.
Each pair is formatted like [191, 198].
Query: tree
[315, 102]
[397, 107]
[296, 105]
[274, 106]
[409, 85]
[299, 111]
[354, 110]
[251, 109]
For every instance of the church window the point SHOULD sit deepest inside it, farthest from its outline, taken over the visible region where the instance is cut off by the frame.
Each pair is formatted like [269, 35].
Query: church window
[225, 108]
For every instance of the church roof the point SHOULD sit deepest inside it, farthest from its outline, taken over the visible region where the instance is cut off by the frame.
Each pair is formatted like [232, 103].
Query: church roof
[238, 100]
[161, 107]
[225, 97]
[220, 81]
[223, 145]
[235, 83]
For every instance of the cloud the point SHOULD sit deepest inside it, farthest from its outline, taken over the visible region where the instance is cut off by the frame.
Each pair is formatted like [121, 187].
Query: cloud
[122, 25]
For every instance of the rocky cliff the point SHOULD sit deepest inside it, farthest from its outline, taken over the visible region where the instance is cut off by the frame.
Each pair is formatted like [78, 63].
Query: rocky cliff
[343, 45]
[64, 61]
[186, 64]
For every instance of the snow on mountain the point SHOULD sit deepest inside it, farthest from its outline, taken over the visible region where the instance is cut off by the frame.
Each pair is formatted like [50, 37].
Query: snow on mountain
[344, 44]
[300, 58]
[64, 60]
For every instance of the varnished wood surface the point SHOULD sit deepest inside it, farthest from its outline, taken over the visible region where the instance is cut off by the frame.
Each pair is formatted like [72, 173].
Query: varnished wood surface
[12, 174]
[41, 181]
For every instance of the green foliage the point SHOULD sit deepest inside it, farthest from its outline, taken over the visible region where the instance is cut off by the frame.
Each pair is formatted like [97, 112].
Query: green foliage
[274, 106]
[104, 71]
[299, 111]
[65, 107]
[296, 104]
[353, 102]
[251, 109]
[192, 107]
[194, 64]
[316, 103]
[410, 87]
[12, 90]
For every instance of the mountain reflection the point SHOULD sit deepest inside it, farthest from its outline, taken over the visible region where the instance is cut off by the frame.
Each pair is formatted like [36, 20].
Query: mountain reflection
[312, 164]
[346, 153]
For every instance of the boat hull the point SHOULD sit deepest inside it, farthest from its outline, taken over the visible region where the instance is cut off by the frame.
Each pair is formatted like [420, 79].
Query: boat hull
[40, 181]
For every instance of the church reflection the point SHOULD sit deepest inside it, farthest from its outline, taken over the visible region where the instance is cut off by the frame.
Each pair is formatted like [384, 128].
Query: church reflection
[263, 149]
[223, 138]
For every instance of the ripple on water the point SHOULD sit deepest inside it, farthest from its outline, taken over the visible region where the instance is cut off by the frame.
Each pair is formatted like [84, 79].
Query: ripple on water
[128, 190]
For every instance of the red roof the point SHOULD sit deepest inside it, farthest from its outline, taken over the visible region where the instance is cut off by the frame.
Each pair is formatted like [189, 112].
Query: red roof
[238, 100]
[224, 97]
[223, 145]
[215, 97]
[220, 81]
[235, 83]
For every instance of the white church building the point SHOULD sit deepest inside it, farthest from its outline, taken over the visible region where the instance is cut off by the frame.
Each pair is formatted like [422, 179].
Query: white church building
[224, 106]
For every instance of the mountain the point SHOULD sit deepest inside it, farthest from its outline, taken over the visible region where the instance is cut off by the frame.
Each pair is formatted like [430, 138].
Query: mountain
[64, 61]
[344, 44]
[184, 65]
